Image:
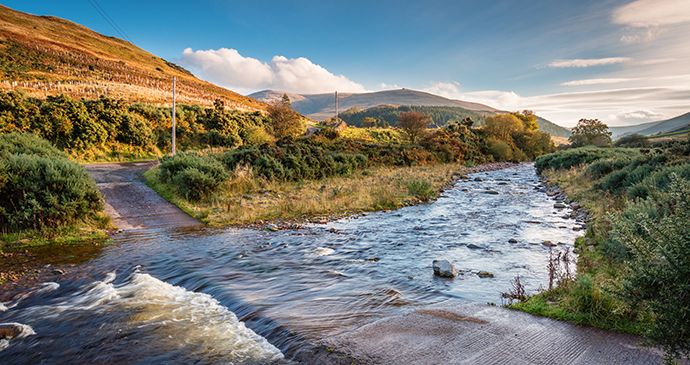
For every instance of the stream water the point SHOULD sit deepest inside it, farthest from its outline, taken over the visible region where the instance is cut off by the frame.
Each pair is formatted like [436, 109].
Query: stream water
[211, 295]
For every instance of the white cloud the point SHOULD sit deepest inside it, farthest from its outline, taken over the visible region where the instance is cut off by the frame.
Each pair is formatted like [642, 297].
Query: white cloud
[643, 35]
[494, 98]
[633, 117]
[385, 86]
[652, 13]
[596, 81]
[226, 67]
[624, 106]
[588, 62]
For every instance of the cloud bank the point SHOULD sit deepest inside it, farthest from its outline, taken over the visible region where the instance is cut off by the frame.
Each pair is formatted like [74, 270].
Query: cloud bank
[588, 62]
[228, 68]
[652, 13]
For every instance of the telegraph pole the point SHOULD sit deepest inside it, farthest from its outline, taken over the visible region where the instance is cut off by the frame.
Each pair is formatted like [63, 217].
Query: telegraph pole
[336, 107]
[173, 119]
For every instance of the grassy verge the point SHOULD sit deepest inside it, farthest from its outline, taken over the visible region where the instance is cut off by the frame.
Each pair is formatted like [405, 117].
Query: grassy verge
[90, 229]
[115, 152]
[632, 265]
[248, 199]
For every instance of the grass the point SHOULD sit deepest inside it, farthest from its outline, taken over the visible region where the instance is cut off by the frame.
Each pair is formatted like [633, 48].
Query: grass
[91, 229]
[248, 199]
[115, 152]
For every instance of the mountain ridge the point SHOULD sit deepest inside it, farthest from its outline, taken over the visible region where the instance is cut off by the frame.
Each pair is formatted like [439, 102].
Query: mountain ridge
[322, 106]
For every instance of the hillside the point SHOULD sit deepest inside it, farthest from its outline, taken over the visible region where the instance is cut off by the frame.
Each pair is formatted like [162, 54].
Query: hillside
[46, 55]
[322, 106]
[678, 123]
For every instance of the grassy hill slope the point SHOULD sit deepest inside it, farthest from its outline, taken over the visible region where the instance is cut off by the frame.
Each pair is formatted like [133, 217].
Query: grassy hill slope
[46, 55]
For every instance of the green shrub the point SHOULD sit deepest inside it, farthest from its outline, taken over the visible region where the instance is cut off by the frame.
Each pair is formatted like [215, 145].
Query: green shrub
[658, 276]
[421, 189]
[39, 187]
[500, 150]
[194, 176]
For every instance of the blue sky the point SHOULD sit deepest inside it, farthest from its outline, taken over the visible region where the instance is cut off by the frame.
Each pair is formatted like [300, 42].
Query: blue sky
[621, 61]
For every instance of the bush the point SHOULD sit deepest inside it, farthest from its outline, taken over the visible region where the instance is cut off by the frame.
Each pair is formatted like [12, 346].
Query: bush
[194, 176]
[40, 187]
[500, 150]
[659, 271]
[421, 189]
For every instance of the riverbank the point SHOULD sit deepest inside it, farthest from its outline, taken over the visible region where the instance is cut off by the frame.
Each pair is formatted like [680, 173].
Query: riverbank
[253, 203]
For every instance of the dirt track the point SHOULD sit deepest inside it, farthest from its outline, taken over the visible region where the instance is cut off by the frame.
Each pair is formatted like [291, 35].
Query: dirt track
[130, 203]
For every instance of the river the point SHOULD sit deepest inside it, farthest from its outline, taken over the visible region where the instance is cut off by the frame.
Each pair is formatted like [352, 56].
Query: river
[221, 295]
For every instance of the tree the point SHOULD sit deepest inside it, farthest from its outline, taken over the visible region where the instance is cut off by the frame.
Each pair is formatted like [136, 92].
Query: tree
[368, 122]
[590, 132]
[413, 123]
[286, 101]
[284, 121]
[502, 126]
[528, 119]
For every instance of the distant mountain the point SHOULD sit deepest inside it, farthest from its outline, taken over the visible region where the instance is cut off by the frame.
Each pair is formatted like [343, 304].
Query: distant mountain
[322, 106]
[46, 55]
[680, 122]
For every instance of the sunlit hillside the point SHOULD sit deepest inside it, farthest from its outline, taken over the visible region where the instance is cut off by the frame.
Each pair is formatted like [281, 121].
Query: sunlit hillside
[46, 55]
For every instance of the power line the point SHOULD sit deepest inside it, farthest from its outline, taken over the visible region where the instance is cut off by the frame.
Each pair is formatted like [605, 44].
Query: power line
[110, 20]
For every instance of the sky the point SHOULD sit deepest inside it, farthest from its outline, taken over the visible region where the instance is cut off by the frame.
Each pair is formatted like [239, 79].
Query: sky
[623, 62]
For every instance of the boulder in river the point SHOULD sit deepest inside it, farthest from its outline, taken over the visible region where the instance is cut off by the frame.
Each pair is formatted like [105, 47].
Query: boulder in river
[559, 205]
[512, 240]
[485, 274]
[474, 247]
[548, 243]
[444, 269]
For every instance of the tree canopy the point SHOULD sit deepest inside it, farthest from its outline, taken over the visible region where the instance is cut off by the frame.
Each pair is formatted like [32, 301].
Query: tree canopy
[590, 132]
[413, 123]
[284, 121]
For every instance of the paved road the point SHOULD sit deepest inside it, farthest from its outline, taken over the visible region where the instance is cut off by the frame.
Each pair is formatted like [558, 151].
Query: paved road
[458, 332]
[130, 203]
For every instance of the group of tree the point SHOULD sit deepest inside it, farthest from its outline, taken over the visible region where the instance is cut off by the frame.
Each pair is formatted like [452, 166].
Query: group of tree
[385, 116]
[75, 124]
[515, 136]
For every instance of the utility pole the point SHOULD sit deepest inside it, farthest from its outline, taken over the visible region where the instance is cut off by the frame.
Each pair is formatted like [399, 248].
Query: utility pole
[336, 107]
[173, 119]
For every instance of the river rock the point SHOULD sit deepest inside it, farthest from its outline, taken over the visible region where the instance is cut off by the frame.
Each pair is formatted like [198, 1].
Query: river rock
[493, 192]
[272, 227]
[444, 269]
[474, 247]
[485, 274]
[478, 179]
[559, 205]
[512, 240]
[548, 243]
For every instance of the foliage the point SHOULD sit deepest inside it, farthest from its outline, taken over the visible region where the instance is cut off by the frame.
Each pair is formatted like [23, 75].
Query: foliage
[388, 115]
[500, 150]
[421, 189]
[413, 123]
[590, 132]
[528, 118]
[502, 126]
[284, 121]
[658, 273]
[195, 176]
[633, 140]
[40, 187]
[78, 124]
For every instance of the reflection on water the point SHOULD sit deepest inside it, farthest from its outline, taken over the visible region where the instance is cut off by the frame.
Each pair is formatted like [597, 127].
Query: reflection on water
[192, 284]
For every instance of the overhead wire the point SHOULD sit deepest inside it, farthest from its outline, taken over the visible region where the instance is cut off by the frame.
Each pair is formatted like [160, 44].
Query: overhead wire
[110, 20]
